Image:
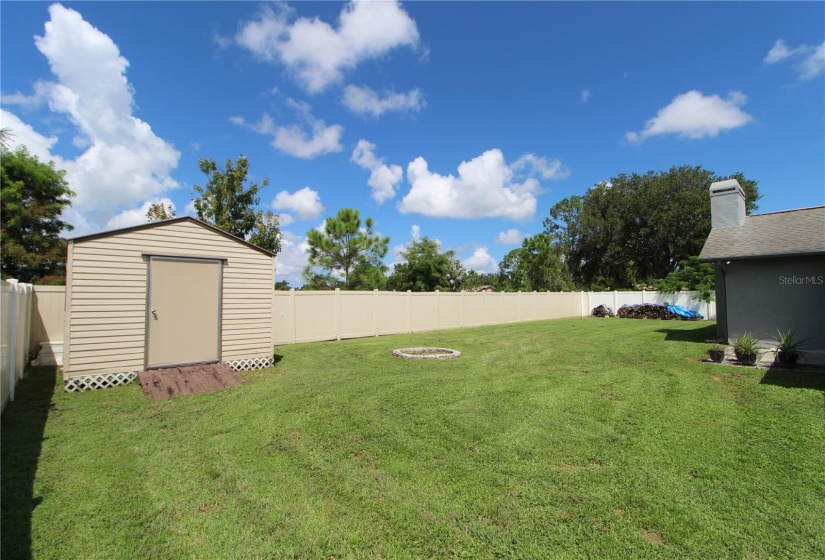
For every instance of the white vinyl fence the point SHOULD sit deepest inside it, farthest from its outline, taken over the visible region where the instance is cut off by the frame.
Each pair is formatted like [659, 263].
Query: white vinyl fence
[310, 316]
[300, 316]
[15, 327]
[615, 300]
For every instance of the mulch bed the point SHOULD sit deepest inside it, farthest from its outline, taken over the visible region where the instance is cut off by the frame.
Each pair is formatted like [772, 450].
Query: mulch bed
[179, 381]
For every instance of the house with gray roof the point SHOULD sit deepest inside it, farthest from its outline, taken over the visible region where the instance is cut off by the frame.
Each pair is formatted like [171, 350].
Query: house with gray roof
[769, 269]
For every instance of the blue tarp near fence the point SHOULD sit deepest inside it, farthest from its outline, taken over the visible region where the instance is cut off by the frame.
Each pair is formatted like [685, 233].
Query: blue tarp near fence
[684, 312]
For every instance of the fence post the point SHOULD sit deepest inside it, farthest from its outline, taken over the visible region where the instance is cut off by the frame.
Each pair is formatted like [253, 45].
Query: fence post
[375, 310]
[337, 306]
[12, 354]
[436, 309]
[293, 317]
[461, 311]
[644, 299]
[615, 300]
[409, 311]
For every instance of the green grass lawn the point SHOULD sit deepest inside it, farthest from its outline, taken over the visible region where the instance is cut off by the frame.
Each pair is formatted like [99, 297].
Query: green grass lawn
[559, 439]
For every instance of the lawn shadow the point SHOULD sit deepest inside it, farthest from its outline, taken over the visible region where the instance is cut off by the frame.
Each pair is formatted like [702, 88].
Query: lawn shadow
[702, 334]
[794, 378]
[23, 426]
[276, 358]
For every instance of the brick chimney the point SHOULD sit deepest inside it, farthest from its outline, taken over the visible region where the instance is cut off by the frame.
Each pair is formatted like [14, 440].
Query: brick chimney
[727, 204]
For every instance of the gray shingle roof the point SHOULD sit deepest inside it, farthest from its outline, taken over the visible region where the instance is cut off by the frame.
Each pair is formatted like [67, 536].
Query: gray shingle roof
[792, 232]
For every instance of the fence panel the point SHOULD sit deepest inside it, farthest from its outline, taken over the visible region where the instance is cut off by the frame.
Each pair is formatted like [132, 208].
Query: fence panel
[424, 311]
[7, 305]
[15, 316]
[393, 312]
[562, 304]
[315, 316]
[48, 313]
[493, 306]
[449, 310]
[356, 314]
[283, 322]
[510, 312]
[472, 309]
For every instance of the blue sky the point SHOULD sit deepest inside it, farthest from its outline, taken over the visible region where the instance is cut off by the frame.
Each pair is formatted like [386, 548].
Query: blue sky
[462, 121]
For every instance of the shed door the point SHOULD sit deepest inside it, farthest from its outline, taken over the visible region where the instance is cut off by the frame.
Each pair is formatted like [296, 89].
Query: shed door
[183, 320]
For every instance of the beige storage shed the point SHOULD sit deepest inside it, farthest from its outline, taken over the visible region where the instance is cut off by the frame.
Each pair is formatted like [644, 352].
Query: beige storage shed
[164, 294]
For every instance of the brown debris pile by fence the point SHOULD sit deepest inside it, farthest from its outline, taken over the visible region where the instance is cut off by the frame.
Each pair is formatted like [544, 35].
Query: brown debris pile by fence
[646, 311]
[603, 311]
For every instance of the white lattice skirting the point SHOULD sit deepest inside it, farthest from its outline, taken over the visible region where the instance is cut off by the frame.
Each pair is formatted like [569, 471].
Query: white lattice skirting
[104, 381]
[250, 364]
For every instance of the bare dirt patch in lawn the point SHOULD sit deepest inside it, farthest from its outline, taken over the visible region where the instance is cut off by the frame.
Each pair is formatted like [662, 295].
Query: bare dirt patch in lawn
[178, 381]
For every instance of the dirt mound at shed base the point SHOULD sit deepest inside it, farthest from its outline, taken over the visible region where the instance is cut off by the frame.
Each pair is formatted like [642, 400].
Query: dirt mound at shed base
[187, 380]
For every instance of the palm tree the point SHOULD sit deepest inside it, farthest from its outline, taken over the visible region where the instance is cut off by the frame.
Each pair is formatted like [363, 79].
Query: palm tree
[5, 136]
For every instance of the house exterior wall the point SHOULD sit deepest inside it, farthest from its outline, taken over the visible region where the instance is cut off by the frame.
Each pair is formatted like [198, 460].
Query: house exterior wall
[783, 293]
[106, 296]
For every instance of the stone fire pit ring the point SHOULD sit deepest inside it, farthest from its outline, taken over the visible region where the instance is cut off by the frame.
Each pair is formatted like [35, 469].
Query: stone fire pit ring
[426, 353]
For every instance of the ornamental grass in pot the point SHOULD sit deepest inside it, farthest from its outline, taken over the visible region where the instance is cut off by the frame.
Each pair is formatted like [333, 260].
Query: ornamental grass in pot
[746, 348]
[788, 348]
[716, 352]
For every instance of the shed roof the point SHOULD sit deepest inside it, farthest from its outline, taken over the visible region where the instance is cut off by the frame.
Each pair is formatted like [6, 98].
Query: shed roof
[170, 221]
[778, 234]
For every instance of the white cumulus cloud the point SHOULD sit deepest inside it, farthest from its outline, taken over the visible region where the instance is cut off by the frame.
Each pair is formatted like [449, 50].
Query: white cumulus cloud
[383, 178]
[510, 237]
[695, 115]
[295, 140]
[136, 216]
[318, 53]
[364, 100]
[189, 209]
[544, 168]
[40, 96]
[415, 232]
[305, 202]
[481, 261]
[291, 261]
[810, 59]
[23, 134]
[485, 187]
[124, 162]
[285, 220]
[779, 51]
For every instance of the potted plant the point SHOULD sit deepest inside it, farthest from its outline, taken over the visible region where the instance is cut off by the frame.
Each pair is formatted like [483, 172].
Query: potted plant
[788, 348]
[746, 348]
[716, 352]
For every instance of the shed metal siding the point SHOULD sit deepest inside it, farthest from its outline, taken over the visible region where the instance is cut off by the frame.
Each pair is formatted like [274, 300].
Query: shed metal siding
[106, 302]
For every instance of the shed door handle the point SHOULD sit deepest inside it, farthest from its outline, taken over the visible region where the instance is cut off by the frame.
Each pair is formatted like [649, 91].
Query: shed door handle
[155, 313]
